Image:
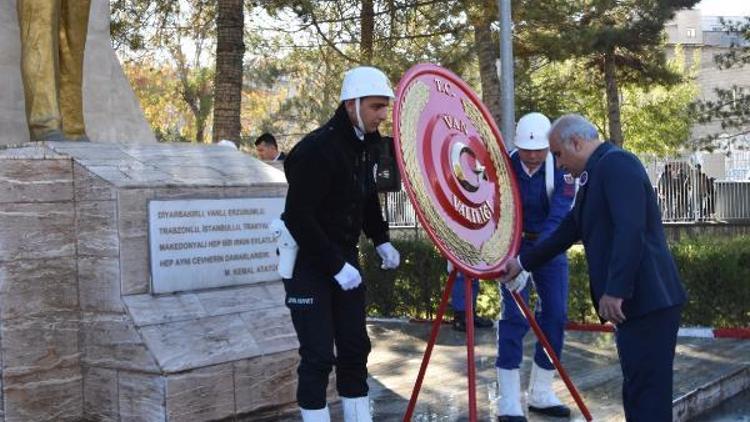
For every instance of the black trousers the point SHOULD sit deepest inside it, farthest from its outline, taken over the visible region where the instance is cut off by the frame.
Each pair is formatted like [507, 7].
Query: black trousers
[646, 346]
[325, 315]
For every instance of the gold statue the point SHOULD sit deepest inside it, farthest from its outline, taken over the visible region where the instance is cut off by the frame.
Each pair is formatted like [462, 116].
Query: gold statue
[53, 37]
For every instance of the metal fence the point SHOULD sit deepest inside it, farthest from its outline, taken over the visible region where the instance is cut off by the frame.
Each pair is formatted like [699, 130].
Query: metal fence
[398, 210]
[684, 193]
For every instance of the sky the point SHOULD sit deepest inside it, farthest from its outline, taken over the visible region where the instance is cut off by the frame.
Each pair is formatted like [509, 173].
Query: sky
[724, 7]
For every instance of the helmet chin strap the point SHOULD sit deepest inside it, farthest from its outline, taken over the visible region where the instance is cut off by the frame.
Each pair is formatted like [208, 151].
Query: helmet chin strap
[360, 125]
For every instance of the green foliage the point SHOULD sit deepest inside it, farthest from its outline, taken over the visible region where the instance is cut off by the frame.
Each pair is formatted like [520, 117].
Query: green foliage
[620, 41]
[414, 290]
[655, 118]
[715, 272]
[580, 308]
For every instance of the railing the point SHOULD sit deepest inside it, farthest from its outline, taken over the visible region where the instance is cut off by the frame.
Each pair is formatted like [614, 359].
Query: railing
[683, 191]
[398, 210]
[732, 201]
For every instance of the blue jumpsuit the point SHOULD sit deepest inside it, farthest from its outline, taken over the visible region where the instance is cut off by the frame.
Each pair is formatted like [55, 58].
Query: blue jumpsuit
[458, 294]
[541, 216]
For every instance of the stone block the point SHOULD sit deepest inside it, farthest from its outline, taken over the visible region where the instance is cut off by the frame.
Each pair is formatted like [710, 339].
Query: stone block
[36, 181]
[141, 397]
[37, 287]
[267, 191]
[28, 151]
[97, 228]
[33, 346]
[187, 193]
[180, 346]
[100, 400]
[205, 394]
[90, 187]
[149, 310]
[272, 329]
[54, 395]
[269, 380]
[132, 212]
[112, 341]
[99, 284]
[237, 299]
[36, 230]
[134, 266]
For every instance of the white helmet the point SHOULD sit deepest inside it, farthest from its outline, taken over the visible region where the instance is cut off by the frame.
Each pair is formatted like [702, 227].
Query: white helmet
[365, 81]
[227, 143]
[531, 132]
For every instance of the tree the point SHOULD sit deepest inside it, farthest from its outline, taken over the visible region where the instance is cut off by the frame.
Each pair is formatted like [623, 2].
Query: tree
[176, 34]
[656, 117]
[230, 47]
[621, 40]
[481, 16]
[731, 105]
[323, 39]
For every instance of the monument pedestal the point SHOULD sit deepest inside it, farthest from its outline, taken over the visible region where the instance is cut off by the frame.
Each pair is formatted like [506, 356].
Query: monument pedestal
[82, 334]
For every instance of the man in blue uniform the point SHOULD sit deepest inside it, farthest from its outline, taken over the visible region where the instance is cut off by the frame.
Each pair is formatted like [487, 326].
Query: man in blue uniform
[331, 199]
[458, 302]
[546, 195]
[633, 278]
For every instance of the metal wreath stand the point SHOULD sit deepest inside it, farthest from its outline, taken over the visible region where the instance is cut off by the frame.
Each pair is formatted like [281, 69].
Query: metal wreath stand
[459, 179]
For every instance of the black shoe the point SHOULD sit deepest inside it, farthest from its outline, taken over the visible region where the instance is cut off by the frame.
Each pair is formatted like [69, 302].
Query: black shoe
[555, 411]
[459, 321]
[480, 322]
[506, 418]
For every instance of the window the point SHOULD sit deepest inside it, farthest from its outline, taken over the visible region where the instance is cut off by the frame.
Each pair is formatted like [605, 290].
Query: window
[690, 33]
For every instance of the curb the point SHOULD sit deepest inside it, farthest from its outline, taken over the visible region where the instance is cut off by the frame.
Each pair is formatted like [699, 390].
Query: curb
[739, 333]
[710, 395]
[696, 332]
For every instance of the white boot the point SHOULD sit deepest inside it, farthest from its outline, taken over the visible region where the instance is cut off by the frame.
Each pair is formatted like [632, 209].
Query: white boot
[356, 409]
[315, 415]
[509, 392]
[542, 398]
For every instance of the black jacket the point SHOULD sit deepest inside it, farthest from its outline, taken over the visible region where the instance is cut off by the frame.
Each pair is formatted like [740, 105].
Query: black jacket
[332, 195]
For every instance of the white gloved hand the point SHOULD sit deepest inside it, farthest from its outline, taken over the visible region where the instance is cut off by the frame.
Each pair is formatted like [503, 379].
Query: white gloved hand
[518, 283]
[449, 267]
[389, 255]
[348, 277]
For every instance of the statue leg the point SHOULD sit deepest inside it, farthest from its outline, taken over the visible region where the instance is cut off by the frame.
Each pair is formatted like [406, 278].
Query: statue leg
[74, 20]
[38, 23]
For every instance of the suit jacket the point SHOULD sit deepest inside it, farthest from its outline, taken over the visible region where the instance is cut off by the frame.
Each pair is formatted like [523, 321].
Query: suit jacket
[618, 219]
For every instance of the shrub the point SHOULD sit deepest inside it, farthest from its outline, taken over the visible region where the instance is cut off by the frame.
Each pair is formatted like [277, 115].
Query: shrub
[715, 271]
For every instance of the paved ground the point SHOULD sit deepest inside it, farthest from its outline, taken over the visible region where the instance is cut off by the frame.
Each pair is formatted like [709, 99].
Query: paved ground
[736, 409]
[589, 358]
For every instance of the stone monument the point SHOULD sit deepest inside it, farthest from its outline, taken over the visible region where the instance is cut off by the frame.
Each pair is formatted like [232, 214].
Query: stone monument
[137, 280]
[101, 320]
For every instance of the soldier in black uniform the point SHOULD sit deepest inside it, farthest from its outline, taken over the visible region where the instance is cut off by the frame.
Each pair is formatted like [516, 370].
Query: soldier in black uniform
[332, 198]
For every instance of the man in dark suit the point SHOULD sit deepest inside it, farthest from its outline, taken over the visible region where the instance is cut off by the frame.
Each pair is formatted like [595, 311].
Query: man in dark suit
[633, 278]
[268, 149]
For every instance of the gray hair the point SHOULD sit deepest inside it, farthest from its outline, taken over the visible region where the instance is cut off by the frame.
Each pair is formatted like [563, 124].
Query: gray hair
[569, 125]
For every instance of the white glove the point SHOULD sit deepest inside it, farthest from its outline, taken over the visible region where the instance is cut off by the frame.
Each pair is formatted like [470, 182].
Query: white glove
[518, 283]
[389, 255]
[287, 247]
[348, 277]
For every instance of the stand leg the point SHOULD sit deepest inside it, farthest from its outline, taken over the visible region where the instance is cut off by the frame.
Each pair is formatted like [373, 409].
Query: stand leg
[430, 344]
[471, 365]
[551, 354]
